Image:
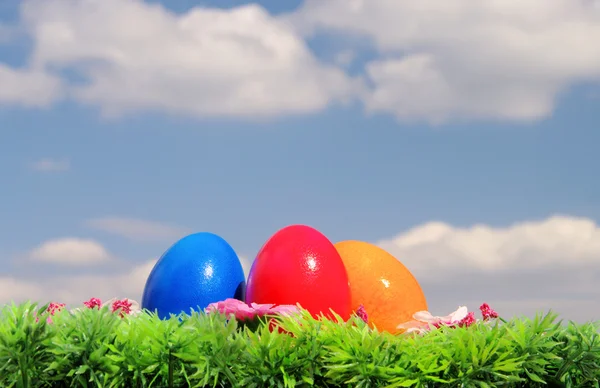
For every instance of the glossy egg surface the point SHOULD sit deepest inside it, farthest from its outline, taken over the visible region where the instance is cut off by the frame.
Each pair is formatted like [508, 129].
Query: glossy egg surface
[298, 264]
[380, 283]
[197, 270]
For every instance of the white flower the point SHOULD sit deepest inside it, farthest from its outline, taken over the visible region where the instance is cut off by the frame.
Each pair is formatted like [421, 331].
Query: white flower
[424, 320]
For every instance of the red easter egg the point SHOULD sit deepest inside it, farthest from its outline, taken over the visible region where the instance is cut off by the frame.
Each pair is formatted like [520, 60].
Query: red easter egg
[298, 264]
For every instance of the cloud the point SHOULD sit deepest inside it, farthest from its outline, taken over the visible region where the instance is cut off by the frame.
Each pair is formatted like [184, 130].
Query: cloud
[524, 267]
[556, 241]
[18, 291]
[138, 230]
[135, 56]
[126, 282]
[51, 165]
[28, 87]
[454, 61]
[70, 251]
[344, 58]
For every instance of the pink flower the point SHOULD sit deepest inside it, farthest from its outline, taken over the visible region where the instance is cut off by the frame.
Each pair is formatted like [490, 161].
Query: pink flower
[424, 320]
[245, 312]
[52, 309]
[240, 310]
[362, 313]
[123, 307]
[487, 312]
[468, 320]
[92, 303]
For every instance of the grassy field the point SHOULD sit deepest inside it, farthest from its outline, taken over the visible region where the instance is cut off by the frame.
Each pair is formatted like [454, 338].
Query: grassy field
[95, 347]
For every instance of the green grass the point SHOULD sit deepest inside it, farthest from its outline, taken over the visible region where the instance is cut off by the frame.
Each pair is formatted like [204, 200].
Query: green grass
[96, 348]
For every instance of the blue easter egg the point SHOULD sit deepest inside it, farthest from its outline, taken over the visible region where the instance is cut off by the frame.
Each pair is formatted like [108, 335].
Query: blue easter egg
[199, 269]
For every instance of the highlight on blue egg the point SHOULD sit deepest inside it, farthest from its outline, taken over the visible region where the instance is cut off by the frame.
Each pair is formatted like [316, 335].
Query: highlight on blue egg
[197, 270]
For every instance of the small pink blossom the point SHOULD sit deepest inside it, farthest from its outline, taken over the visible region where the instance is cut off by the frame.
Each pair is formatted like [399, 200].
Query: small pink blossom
[487, 312]
[93, 303]
[468, 320]
[123, 307]
[244, 312]
[52, 308]
[362, 313]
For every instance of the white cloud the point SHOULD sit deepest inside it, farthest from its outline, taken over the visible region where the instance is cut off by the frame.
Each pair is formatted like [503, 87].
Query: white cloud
[51, 165]
[556, 241]
[71, 251]
[31, 88]
[138, 230]
[345, 58]
[206, 62]
[18, 291]
[125, 282]
[506, 59]
[523, 268]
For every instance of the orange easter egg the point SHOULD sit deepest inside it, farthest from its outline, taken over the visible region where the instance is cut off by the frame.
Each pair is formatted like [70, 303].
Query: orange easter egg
[388, 291]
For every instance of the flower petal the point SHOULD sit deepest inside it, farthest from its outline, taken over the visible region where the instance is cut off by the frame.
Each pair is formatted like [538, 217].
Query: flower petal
[459, 314]
[425, 316]
[412, 325]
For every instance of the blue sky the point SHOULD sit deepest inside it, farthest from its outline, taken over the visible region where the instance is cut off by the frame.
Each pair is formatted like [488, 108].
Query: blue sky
[403, 152]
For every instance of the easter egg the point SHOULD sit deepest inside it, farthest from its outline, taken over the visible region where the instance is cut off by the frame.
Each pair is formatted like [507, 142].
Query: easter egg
[298, 264]
[197, 270]
[388, 291]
